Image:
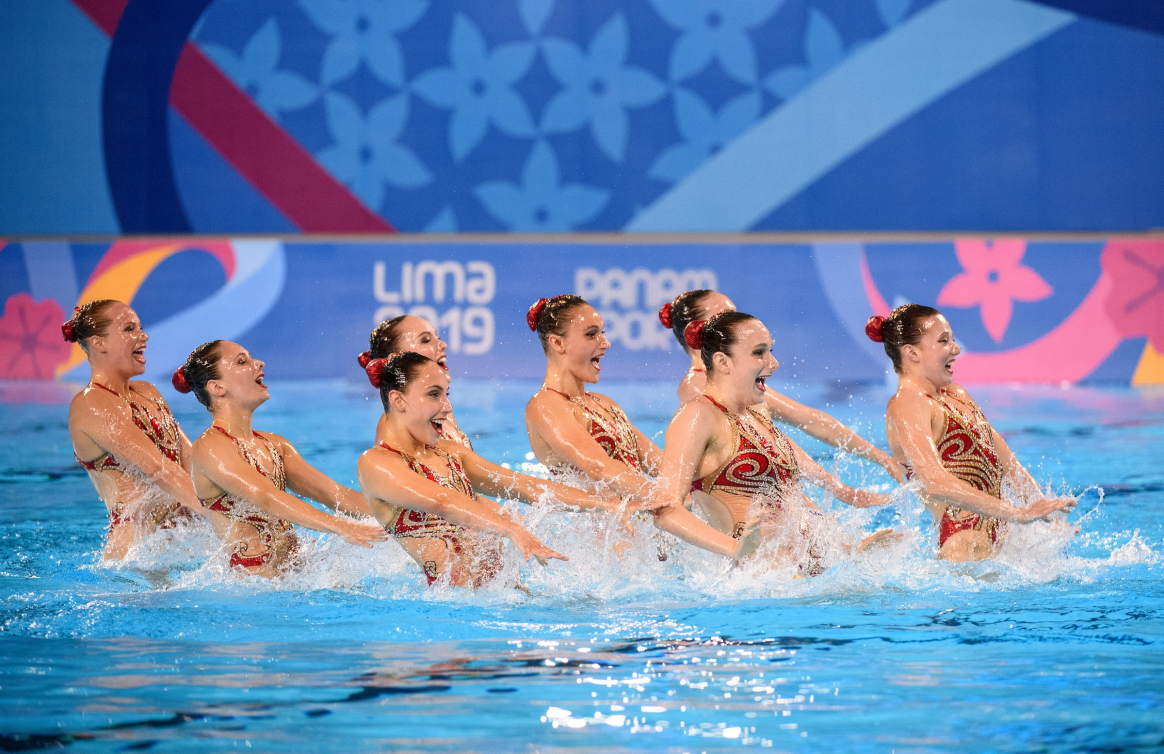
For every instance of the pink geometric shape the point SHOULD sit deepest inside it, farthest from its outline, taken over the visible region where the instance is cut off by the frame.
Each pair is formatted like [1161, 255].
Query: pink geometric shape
[993, 279]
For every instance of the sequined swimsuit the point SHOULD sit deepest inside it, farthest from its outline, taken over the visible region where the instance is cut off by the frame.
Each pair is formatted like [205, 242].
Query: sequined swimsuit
[759, 467]
[414, 523]
[162, 430]
[611, 429]
[276, 535]
[967, 450]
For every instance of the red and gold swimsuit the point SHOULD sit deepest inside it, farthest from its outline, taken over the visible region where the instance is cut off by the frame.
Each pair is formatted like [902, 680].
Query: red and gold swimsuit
[759, 467]
[414, 523]
[967, 450]
[162, 430]
[611, 429]
[277, 535]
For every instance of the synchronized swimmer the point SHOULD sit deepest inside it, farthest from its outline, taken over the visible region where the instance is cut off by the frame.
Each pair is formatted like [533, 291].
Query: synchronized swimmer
[728, 480]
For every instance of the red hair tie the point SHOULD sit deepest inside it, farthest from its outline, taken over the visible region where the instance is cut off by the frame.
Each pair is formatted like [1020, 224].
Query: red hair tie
[374, 369]
[364, 358]
[69, 329]
[875, 329]
[179, 381]
[665, 315]
[535, 311]
[693, 334]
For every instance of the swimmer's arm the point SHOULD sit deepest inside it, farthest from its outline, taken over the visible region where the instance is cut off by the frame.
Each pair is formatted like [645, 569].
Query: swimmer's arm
[688, 438]
[555, 424]
[308, 481]
[106, 420]
[217, 458]
[391, 484]
[827, 429]
[909, 413]
[650, 454]
[815, 473]
[187, 451]
[498, 481]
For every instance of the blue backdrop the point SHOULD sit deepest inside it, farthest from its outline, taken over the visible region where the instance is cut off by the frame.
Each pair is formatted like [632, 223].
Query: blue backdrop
[554, 115]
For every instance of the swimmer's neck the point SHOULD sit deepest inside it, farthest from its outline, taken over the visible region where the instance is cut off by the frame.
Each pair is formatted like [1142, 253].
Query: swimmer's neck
[118, 382]
[397, 436]
[234, 419]
[737, 404]
[696, 361]
[920, 383]
[564, 381]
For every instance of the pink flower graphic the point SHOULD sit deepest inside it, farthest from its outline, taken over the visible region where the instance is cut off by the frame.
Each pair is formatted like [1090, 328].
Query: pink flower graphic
[993, 279]
[1136, 302]
[31, 344]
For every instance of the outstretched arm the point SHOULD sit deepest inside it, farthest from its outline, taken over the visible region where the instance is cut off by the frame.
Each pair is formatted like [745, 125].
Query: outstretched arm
[107, 422]
[389, 483]
[218, 459]
[498, 481]
[909, 415]
[825, 428]
[816, 474]
[308, 481]
[550, 418]
[689, 436]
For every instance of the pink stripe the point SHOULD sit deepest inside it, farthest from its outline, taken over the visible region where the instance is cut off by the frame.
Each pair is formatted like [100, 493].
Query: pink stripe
[263, 153]
[104, 13]
[122, 250]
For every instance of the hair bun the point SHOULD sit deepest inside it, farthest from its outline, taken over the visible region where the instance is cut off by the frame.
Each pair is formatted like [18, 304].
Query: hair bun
[364, 358]
[179, 381]
[535, 311]
[374, 370]
[875, 329]
[665, 315]
[693, 334]
[69, 330]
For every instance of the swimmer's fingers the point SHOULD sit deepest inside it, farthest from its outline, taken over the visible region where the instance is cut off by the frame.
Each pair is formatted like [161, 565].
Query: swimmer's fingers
[883, 538]
[361, 533]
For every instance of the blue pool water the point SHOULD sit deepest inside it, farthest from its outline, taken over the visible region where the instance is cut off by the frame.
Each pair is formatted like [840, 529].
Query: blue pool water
[1055, 647]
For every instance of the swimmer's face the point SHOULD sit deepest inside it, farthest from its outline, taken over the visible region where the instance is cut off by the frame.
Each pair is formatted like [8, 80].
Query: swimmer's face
[746, 369]
[123, 345]
[582, 347]
[418, 335]
[934, 354]
[424, 403]
[241, 379]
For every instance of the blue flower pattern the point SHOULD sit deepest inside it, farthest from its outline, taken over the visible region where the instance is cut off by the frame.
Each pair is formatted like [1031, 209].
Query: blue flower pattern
[597, 117]
[599, 87]
[540, 203]
[478, 87]
[256, 71]
[366, 155]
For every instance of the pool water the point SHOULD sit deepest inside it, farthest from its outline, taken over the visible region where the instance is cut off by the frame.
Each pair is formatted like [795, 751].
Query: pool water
[1055, 647]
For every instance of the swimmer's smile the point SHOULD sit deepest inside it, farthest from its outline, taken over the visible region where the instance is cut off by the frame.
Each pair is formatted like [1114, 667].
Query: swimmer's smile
[139, 354]
[596, 363]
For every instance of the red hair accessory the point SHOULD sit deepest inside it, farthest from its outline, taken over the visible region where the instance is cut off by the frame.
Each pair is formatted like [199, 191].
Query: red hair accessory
[875, 329]
[535, 311]
[693, 334]
[364, 358]
[69, 329]
[665, 315]
[375, 368]
[179, 381]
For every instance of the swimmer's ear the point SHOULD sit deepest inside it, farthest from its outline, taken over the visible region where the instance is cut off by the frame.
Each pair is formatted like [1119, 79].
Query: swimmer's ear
[554, 341]
[215, 388]
[909, 351]
[722, 362]
[396, 400]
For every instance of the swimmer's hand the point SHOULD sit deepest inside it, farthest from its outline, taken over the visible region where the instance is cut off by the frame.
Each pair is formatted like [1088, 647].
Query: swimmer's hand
[1044, 508]
[362, 533]
[883, 538]
[866, 499]
[749, 540]
[530, 545]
